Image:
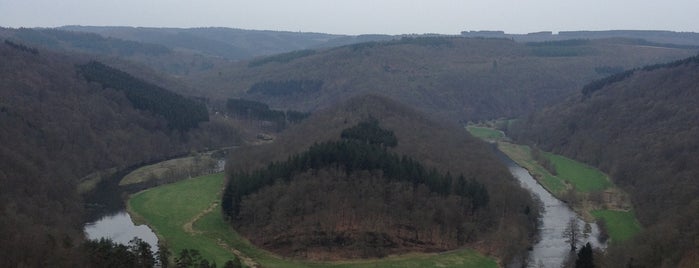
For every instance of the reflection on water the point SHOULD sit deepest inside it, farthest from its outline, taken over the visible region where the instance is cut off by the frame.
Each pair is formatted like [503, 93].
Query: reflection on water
[120, 229]
[552, 248]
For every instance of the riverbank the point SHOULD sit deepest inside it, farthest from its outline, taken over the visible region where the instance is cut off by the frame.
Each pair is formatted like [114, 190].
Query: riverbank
[186, 214]
[590, 192]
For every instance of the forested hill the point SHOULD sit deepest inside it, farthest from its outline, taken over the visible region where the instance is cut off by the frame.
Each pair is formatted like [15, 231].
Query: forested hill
[640, 127]
[181, 113]
[55, 128]
[448, 77]
[155, 56]
[356, 152]
[229, 43]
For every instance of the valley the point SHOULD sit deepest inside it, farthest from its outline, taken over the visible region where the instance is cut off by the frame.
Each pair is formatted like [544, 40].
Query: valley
[587, 190]
[347, 151]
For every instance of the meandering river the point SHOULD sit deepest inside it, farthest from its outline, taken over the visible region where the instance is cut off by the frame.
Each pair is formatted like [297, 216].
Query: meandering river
[107, 215]
[552, 249]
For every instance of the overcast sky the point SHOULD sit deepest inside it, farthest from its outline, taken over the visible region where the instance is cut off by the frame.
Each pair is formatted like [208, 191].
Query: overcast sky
[361, 16]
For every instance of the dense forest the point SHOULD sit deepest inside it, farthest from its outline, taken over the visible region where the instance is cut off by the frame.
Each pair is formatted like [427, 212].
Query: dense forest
[255, 110]
[451, 78]
[229, 43]
[402, 182]
[380, 214]
[641, 127]
[180, 113]
[285, 88]
[56, 128]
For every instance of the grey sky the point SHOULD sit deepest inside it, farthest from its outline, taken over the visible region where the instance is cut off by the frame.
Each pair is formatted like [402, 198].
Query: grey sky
[361, 16]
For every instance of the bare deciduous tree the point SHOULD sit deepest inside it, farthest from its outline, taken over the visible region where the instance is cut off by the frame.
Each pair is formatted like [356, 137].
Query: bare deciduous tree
[572, 233]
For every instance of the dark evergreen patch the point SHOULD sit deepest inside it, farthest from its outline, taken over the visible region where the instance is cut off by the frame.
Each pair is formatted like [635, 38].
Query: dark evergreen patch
[180, 112]
[282, 58]
[284, 88]
[370, 132]
[360, 150]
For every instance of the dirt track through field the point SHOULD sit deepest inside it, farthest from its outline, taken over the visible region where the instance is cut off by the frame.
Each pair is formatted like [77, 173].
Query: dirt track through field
[189, 228]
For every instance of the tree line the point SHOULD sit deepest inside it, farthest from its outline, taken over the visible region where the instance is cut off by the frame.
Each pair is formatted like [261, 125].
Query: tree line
[369, 131]
[250, 109]
[282, 58]
[22, 47]
[90, 42]
[137, 253]
[286, 87]
[621, 76]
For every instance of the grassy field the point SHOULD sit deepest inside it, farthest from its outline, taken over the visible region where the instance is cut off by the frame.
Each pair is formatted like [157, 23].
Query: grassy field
[521, 154]
[584, 177]
[181, 167]
[621, 225]
[485, 133]
[186, 215]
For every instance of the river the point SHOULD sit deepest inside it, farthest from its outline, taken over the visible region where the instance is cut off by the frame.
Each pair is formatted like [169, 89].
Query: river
[106, 211]
[552, 249]
[121, 229]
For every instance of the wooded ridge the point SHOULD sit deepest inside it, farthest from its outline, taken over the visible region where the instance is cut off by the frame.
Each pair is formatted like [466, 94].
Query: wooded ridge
[402, 182]
[641, 128]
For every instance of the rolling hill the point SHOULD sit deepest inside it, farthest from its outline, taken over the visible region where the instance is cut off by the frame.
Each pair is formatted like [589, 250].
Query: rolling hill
[640, 126]
[228, 43]
[661, 37]
[356, 152]
[447, 77]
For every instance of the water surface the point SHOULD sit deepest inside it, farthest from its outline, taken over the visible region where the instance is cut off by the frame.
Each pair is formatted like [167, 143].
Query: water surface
[552, 249]
[120, 228]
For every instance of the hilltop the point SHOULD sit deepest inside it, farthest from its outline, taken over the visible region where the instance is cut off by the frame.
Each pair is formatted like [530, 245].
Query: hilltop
[639, 126]
[372, 139]
[453, 78]
[658, 37]
[228, 43]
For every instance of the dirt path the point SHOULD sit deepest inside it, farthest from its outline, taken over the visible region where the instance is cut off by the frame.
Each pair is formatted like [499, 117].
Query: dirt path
[249, 262]
[189, 228]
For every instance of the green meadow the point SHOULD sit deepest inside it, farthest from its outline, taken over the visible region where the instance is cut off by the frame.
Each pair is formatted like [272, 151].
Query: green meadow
[585, 178]
[485, 133]
[186, 214]
[621, 225]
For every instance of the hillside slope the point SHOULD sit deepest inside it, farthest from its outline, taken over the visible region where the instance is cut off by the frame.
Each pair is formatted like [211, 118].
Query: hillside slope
[641, 127]
[503, 227]
[159, 57]
[447, 77]
[228, 43]
[55, 128]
